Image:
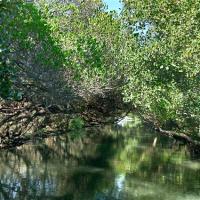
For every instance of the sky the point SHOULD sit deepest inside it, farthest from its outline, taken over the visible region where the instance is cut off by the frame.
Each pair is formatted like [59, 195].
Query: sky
[113, 4]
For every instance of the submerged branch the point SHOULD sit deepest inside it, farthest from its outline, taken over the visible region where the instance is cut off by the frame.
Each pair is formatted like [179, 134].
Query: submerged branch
[179, 136]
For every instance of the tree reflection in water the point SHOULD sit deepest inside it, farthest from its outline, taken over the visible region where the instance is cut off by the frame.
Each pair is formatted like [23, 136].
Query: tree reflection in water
[108, 163]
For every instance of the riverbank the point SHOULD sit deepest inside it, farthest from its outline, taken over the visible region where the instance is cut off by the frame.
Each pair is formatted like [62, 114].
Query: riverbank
[21, 121]
[24, 123]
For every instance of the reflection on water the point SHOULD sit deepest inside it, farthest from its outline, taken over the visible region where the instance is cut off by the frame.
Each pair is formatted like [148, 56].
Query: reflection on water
[106, 164]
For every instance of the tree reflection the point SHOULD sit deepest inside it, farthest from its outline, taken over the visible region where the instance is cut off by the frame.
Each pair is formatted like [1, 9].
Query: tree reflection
[102, 164]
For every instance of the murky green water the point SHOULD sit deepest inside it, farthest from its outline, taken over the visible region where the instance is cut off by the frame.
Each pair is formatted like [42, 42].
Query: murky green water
[106, 164]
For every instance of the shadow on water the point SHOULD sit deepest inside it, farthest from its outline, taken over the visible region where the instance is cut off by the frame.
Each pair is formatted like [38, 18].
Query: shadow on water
[108, 163]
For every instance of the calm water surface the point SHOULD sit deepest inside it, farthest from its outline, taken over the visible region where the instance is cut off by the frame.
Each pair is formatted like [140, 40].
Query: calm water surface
[105, 164]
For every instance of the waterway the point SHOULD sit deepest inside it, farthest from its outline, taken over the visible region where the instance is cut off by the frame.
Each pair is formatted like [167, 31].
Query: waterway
[108, 163]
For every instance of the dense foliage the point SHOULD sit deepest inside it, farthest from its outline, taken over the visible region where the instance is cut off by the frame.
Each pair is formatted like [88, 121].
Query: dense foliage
[34, 55]
[149, 53]
[164, 79]
[90, 38]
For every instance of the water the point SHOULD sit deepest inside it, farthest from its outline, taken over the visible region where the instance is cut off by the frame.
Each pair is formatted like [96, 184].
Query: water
[105, 164]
